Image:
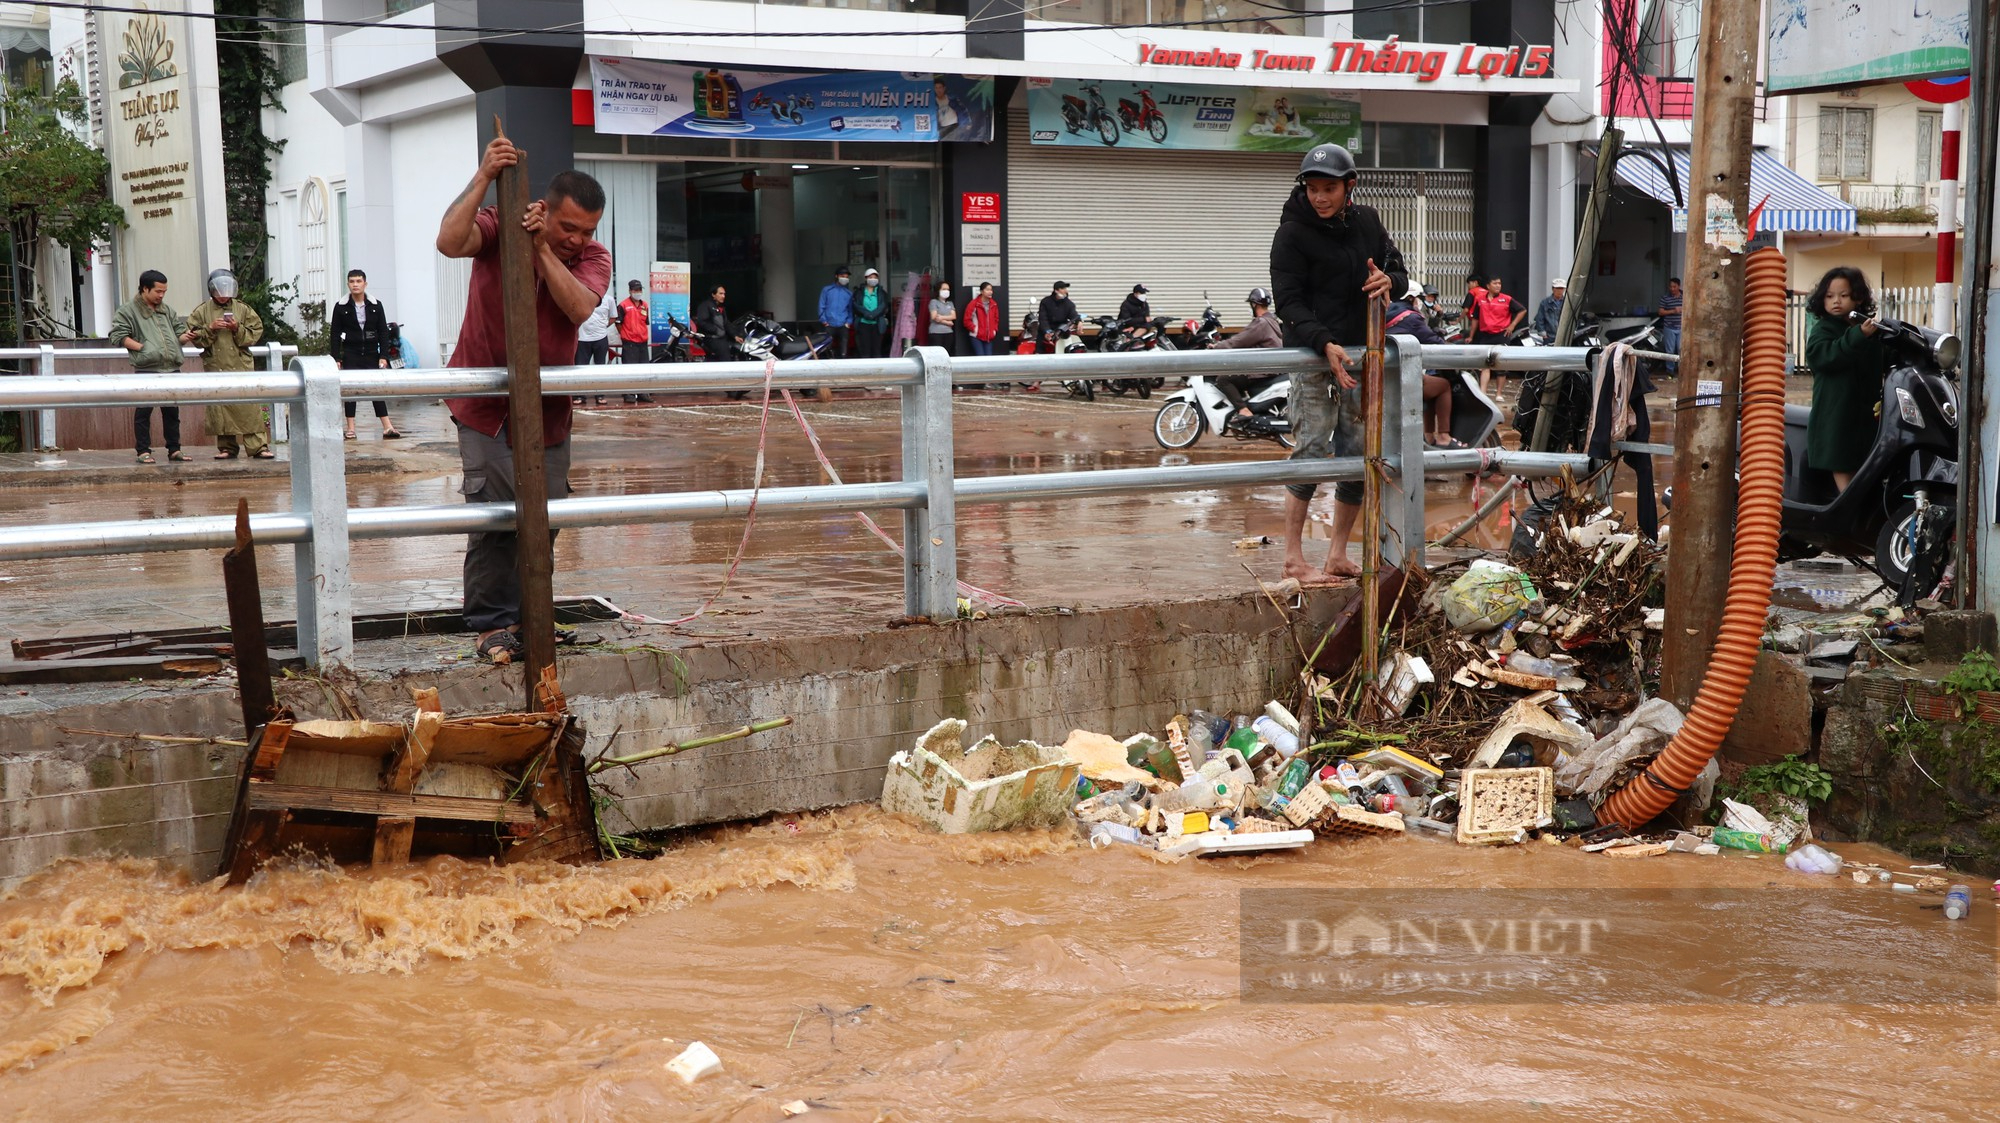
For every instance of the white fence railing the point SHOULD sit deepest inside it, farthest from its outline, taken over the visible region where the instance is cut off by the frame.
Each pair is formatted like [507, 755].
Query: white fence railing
[1911, 304]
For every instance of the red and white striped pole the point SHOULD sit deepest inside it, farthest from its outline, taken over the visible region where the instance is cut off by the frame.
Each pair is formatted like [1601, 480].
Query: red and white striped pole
[1944, 303]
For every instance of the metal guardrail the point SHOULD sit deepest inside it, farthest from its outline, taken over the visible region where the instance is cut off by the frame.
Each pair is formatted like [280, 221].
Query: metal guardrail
[320, 527]
[46, 356]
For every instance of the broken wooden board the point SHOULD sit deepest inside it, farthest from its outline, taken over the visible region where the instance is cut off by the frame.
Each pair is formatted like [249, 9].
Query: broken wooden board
[388, 778]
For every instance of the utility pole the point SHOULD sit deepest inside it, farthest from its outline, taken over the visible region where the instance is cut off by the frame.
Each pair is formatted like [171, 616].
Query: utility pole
[1711, 343]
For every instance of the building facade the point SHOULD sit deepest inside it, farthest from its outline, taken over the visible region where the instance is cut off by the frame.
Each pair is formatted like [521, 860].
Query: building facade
[993, 164]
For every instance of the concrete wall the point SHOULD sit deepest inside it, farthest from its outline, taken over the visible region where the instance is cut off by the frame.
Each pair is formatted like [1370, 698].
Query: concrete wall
[1908, 775]
[856, 698]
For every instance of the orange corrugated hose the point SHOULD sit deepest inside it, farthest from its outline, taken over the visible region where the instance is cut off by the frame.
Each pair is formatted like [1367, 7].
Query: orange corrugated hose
[1760, 503]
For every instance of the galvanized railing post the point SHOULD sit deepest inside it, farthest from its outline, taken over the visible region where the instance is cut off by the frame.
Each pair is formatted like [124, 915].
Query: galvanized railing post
[274, 361]
[45, 423]
[319, 494]
[1403, 440]
[930, 535]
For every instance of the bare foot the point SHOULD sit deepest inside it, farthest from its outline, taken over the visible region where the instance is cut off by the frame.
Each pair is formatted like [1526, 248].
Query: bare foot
[1342, 566]
[1307, 576]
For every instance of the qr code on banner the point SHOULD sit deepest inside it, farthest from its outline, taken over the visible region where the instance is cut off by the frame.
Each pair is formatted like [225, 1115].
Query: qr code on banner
[923, 122]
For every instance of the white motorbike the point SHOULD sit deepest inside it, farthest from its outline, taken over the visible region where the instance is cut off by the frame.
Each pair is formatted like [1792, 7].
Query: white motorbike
[1200, 406]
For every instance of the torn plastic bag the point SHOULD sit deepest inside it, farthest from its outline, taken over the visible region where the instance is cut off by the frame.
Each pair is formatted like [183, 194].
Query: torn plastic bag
[1643, 732]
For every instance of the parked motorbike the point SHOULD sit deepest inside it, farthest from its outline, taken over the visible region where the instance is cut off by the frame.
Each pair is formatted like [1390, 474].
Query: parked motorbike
[1202, 335]
[765, 338]
[1064, 341]
[1200, 407]
[1900, 504]
[1114, 337]
[1143, 114]
[675, 349]
[1079, 114]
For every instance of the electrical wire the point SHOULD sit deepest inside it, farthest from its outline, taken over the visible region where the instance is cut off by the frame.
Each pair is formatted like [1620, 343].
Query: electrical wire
[576, 29]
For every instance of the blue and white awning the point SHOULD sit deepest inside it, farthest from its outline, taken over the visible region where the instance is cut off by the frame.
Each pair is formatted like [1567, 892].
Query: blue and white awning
[1791, 201]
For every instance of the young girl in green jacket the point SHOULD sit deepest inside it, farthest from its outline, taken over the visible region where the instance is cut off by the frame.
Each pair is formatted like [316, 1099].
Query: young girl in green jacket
[1846, 359]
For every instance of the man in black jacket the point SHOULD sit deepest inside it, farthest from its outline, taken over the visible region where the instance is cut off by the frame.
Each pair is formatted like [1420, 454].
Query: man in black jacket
[1056, 311]
[1330, 256]
[357, 339]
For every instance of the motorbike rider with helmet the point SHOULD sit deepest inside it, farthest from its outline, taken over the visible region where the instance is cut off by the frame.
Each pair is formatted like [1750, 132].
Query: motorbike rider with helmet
[1261, 331]
[1329, 258]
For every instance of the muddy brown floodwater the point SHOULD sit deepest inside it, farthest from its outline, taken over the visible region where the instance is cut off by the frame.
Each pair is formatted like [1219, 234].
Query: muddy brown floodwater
[880, 972]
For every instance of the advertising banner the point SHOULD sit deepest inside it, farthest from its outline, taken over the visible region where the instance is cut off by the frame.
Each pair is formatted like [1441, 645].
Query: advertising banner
[1095, 114]
[636, 97]
[669, 295]
[1823, 44]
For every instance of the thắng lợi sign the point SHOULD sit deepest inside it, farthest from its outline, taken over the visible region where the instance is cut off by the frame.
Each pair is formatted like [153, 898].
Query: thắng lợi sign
[1098, 114]
[637, 97]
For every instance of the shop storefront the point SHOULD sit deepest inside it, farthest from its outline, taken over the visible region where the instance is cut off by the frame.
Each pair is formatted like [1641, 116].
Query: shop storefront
[1191, 214]
[767, 182]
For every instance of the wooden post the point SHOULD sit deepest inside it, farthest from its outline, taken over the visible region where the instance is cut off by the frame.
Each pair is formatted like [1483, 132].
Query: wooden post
[246, 627]
[524, 428]
[1371, 497]
[1718, 206]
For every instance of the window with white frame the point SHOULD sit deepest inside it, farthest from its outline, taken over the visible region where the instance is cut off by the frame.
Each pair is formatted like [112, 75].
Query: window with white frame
[1845, 137]
[1668, 33]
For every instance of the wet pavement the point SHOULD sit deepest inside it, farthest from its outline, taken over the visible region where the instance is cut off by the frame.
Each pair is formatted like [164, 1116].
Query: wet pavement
[796, 572]
[1090, 552]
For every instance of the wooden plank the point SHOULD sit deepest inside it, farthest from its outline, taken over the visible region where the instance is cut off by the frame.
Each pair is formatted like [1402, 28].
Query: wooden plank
[285, 633]
[295, 797]
[524, 428]
[51, 671]
[496, 740]
[246, 626]
[392, 840]
[253, 845]
[269, 749]
[409, 761]
[567, 831]
[375, 739]
[252, 835]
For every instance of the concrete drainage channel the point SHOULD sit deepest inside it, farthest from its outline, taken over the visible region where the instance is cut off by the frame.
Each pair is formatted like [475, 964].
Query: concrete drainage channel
[856, 699]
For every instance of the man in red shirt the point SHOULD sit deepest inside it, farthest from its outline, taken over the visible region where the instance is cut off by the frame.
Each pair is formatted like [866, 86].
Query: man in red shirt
[572, 270]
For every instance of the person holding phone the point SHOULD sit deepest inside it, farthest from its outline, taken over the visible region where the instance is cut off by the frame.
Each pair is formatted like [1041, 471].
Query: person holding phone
[225, 329]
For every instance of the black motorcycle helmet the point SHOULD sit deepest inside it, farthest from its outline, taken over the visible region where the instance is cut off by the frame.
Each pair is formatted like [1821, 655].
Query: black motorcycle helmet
[1259, 295]
[1329, 160]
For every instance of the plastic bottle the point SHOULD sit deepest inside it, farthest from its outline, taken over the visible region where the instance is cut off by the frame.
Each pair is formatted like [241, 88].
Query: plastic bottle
[1351, 780]
[1529, 665]
[1200, 738]
[1957, 902]
[1293, 780]
[1267, 727]
[1243, 740]
[1277, 712]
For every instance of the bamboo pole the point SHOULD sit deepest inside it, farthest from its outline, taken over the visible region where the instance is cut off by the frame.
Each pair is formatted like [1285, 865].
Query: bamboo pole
[535, 550]
[1371, 495]
[737, 734]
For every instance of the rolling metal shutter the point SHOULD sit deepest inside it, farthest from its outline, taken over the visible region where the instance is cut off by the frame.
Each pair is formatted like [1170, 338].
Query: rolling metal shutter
[1181, 223]
[1185, 223]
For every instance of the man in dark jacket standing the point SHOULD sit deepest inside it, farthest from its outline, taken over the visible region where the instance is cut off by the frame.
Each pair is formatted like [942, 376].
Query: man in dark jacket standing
[1330, 256]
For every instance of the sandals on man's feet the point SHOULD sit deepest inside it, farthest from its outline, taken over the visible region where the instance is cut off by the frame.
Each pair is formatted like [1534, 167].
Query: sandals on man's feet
[147, 458]
[500, 648]
[263, 454]
[179, 457]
